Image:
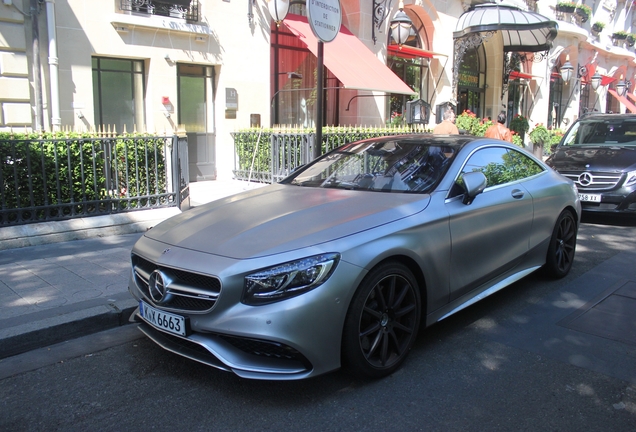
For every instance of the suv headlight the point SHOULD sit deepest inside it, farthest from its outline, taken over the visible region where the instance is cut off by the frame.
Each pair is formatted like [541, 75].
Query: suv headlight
[288, 280]
[630, 179]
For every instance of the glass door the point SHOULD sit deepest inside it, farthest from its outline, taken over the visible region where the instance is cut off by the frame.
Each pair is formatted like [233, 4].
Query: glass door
[195, 89]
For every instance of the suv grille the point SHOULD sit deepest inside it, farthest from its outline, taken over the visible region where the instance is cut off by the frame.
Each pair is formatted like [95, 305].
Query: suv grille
[593, 181]
[187, 292]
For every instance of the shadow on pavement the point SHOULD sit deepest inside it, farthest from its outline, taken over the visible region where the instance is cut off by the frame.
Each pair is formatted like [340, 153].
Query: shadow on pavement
[614, 219]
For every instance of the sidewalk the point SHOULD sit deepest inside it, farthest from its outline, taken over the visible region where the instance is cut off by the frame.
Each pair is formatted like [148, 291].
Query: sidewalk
[61, 289]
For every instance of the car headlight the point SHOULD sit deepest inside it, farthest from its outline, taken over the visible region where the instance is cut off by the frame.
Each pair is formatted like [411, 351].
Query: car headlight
[288, 280]
[630, 179]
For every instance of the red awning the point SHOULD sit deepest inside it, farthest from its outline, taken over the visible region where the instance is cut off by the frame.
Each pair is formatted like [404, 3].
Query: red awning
[412, 52]
[515, 75]
[622, 99]
[605, 80]
[349, 60]
[632, 96]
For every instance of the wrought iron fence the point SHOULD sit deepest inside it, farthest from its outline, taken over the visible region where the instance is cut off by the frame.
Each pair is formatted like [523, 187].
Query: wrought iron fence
[268, 156]
[185, 9]
[52, 178]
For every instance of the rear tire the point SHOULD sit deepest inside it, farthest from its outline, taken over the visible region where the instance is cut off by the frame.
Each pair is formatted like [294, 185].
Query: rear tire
[562, 246]
[382, 322]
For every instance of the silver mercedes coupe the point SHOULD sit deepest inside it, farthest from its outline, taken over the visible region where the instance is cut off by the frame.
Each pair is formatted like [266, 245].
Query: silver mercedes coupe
[342, 262]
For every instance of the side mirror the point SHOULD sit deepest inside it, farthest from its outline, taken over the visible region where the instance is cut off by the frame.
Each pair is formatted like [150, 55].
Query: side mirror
[474, 183]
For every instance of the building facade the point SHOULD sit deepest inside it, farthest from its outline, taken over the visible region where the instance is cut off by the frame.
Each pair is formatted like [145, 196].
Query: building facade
[211, 67]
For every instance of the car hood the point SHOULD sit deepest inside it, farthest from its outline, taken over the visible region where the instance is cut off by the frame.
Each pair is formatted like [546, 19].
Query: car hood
[280, 218]
[588, 158]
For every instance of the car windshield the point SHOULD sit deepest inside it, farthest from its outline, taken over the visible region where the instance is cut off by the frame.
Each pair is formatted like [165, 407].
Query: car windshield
[387, 166]
[602, 133]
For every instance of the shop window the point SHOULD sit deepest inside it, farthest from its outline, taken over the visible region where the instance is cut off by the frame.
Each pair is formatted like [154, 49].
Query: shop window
[471, 83]
[293, 82]
[612, 105]
[584, 100]
[555, 114]
[118, 93]
[517, 90]
[413, 70]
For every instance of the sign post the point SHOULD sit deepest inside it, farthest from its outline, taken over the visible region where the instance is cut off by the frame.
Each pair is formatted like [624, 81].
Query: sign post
[325, 18]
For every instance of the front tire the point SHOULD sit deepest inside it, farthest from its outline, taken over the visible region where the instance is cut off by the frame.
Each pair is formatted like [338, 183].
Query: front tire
[382, 322]
[562, 246]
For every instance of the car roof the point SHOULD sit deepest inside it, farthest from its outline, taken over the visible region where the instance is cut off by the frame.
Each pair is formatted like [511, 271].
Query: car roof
[457, 141]
[604, 117]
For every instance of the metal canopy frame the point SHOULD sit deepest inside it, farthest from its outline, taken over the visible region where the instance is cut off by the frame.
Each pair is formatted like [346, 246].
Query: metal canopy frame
[522, 31]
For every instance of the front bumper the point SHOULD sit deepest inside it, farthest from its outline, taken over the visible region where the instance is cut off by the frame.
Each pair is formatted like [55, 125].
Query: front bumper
[612, 202]
[287, 340]
[269, 362]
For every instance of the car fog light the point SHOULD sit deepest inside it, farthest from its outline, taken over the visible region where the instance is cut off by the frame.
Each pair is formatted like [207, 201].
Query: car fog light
[288, 280]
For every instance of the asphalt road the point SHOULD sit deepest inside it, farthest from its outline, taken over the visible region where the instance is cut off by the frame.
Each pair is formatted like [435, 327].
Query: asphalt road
[457, 378]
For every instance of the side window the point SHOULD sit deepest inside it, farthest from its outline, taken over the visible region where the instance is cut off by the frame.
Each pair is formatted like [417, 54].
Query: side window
[491, 162]
[501, 165]
[522, 165]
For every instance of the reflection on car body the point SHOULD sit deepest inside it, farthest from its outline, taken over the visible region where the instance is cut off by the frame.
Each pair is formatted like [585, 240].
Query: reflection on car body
[342, 262]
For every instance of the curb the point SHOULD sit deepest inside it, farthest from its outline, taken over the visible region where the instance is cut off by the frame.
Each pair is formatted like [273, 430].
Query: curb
[52, 326]
[82, 228]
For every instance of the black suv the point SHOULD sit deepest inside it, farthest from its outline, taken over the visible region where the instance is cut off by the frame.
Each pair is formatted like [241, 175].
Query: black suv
[598, 153]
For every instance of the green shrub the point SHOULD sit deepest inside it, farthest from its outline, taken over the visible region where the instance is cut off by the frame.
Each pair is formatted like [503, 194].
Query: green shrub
[519, 124]
[253, 148]
[69, 170]
[469, 122]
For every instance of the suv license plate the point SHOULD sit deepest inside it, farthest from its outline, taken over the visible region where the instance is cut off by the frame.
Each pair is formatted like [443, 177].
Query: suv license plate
[590, 197]
[163, 320]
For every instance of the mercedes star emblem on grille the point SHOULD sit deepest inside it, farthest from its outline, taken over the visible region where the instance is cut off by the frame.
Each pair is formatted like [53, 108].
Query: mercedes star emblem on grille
[158, 286]
[585, 179]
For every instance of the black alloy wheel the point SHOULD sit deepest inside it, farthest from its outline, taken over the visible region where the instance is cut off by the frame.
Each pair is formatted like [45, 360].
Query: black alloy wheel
[562, 246]
[382, 322]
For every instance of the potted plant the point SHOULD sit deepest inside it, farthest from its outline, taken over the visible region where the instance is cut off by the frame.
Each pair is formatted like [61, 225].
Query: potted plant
[564, 6]
[539, 136]
[520, 125]
[584, 11]
[619, 35]
[631, 39]
[598, 27]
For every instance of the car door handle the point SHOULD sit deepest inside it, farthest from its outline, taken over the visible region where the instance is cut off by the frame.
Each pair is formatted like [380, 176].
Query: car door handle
[517, 194]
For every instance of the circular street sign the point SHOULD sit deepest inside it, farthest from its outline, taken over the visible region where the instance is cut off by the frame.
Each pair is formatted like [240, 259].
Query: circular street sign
[325, 17]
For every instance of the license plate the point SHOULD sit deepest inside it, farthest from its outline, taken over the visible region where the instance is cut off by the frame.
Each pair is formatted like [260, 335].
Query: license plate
[163, 320]
[590, 197]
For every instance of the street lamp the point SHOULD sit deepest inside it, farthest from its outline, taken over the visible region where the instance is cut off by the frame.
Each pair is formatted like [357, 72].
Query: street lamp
[621, 87]
[567, 70]
[278, 10]
[401, 26]
[596, 81]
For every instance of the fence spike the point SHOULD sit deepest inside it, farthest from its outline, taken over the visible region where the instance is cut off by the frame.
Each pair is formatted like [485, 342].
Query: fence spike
[124, 131]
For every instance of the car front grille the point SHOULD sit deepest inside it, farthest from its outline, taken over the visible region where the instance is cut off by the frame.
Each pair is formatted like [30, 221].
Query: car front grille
[593, 180]
[187, 291]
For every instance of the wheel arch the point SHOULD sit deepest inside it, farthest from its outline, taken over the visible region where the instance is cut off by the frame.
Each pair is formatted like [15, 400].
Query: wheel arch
[414, 268]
